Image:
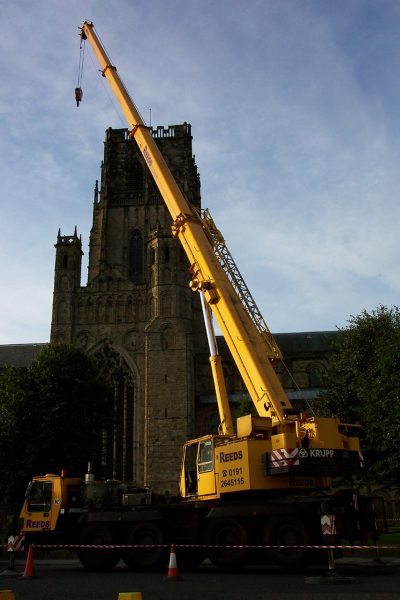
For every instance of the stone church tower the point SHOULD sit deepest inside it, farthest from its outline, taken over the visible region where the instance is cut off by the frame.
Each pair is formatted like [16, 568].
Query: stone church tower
[137, 315]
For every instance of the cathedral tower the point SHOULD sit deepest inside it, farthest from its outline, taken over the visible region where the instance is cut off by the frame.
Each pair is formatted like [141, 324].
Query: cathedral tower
[137, 315]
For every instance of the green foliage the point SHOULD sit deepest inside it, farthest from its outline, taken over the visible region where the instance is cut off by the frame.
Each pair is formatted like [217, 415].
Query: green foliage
[364, 385]
[52, 416]
[244, 406]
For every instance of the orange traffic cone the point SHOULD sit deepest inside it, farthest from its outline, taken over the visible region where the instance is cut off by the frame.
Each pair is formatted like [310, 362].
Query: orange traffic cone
[29, 572]
[173, 574]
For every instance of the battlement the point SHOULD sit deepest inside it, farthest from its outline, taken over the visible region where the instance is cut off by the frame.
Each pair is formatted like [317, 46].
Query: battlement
[69, 240]
[158, 133]
[172, 131]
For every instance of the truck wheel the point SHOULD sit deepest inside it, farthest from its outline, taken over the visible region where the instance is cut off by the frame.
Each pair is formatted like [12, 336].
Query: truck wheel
[282, 531]
[147, 559]
[97, 560]
[227, 532]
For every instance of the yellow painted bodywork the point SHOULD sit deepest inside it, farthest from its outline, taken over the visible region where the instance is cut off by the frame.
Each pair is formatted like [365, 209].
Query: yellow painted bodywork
[236, 462]
[237, 466]
[34, 521]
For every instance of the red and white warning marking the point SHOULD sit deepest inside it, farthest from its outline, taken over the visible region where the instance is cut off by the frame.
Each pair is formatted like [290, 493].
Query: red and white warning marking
[328, 525]
[284, 457]
[15, 544]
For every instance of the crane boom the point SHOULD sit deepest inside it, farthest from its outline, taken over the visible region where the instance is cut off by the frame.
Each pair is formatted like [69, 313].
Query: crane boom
[281, 438]
[251, 348]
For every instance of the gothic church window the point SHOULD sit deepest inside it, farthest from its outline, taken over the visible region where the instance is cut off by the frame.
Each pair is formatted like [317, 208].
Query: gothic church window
[90, 310]
[100, 311]
[135, 177]
[214, 422]
[119, 441]
[315, 377]
[167, 338]
[136, 252]
[109, 310]
[120, 309]
[81, 311]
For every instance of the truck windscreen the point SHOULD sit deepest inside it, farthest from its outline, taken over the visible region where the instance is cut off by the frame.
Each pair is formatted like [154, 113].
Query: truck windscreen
[39, 496]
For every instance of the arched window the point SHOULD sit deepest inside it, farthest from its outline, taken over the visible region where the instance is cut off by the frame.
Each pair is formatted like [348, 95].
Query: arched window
[135, 177]
[167, 338]
[119, 443]
[136, 251]
[214, 422]
[315, 377]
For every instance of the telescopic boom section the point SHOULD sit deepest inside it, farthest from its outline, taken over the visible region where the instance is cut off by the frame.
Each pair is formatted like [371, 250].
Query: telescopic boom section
[251, 350]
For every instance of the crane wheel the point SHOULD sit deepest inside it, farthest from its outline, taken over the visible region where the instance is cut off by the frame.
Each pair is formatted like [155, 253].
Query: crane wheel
[152, 534]
[97, 560]
[288, 531]
[227, 532]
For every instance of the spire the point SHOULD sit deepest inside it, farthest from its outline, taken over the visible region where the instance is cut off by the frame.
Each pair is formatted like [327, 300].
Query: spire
[96, 192]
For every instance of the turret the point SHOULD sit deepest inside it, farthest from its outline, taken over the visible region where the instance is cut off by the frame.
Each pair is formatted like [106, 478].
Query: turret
[67, 277]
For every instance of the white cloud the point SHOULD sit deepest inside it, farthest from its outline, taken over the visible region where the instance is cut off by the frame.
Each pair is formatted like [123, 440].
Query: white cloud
[295, 116]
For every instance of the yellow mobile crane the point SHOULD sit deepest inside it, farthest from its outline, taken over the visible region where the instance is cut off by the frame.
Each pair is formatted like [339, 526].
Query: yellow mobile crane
[278, 431]
[263, 483]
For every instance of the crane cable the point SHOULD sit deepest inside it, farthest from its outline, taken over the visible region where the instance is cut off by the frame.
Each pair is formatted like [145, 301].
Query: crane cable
[78, 89]
[105, 86]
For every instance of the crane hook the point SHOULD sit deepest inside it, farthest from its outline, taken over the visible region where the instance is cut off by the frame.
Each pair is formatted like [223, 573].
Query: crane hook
[78, 95]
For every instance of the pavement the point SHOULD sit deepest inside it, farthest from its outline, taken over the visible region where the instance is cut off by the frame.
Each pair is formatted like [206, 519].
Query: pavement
[346, 561]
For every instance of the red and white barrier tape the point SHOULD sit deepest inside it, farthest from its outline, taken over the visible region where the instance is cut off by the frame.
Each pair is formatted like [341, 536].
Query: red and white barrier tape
[177, 546]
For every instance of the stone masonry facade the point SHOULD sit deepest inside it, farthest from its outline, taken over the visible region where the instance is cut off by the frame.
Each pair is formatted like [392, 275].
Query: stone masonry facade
[137, 315]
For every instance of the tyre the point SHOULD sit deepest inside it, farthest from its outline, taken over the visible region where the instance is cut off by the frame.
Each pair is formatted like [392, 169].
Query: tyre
[147, 534]
[288, 531]
[227, 532]
[97, 560]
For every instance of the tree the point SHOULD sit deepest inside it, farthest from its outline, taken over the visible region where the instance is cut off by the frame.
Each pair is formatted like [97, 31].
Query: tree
[52, 417]
[363, 385]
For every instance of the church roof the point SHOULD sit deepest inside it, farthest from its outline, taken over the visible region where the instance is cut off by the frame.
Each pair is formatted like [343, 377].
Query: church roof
[296, 344]
[290, 344]
[18, 355]
[306, 342]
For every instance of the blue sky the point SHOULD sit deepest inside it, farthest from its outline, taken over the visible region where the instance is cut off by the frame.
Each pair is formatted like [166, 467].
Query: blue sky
[295, 113]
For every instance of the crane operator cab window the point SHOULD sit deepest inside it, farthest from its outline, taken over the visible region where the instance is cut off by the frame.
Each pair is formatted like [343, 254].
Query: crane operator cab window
[38, 496]
[190, 469]
[205, 458]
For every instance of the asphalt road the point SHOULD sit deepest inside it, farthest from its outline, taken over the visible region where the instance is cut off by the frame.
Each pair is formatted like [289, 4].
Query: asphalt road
[68, 581]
